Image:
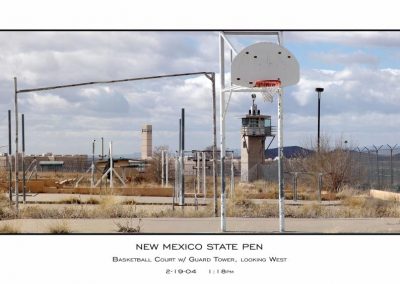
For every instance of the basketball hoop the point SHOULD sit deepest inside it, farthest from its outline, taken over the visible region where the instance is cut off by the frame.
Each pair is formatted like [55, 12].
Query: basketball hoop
[268, 88]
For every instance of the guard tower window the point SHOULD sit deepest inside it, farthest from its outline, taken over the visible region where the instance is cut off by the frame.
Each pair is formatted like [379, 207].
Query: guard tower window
[253, 122]
[245, 122]
[267, 122]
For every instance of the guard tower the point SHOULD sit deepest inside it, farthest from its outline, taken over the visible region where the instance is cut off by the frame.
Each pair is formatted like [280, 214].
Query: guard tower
[255, 129]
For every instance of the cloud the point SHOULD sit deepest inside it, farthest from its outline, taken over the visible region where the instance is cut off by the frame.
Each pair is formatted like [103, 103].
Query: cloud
[360, 39]
[358, 57]
[359, 95]
[353, 87]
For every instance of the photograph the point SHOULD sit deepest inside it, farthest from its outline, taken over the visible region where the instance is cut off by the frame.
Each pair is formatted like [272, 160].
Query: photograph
[199, 132]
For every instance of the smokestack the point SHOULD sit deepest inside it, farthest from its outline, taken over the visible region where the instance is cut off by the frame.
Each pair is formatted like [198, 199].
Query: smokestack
[147, 141]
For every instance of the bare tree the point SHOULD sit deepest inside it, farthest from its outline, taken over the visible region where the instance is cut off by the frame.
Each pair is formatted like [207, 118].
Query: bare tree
[333, 161]
[153, 171]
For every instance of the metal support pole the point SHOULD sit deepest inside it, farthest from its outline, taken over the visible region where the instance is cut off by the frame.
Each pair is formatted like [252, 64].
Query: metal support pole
[280, 155]
[179, 164]
[9, 158]
[319, 91]
[319, 120]
[232, 189]
[111, 167]
[377, 165]
[214, 148]
[92, 166]
[182, 164]
[102, 148]
[359, 165]
[176, 179]
[162, 168]
[23, 160]
[391, 164]
[204, 176]
[16, 145]
[391, 168]
[166, 168]
[280, 165]
[222, 128]
[198, 172]
[319, 186]
[295, 186]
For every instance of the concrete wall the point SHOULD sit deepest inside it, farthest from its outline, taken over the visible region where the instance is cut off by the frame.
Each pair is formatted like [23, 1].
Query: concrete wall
[252, 154]
[385, 195]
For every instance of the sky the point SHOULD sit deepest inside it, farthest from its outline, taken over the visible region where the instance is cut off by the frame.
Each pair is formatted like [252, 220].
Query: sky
[359, 71]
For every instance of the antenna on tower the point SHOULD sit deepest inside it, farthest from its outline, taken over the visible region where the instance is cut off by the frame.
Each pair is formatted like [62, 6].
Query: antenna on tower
[253, 96]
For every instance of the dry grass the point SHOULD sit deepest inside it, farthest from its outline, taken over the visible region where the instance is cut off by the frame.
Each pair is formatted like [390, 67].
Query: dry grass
[70, 200]
[60, 227]
[354, 204]
[92, 201]
[348, 192]
[3, 198]
[9, 229]
[239, 206]
[266, 189]
[5, 211]
[129, 226]
[76, 200]
[368, 207]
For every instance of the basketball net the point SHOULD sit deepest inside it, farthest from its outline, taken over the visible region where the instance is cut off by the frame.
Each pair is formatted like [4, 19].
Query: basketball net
[269, 88]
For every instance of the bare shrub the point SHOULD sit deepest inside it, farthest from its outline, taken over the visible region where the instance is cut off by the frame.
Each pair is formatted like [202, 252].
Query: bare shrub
[334, 162]
[129, 226]
[153, 171]
[37, 212]
[71, 200]
[60, 227]
[92, 200]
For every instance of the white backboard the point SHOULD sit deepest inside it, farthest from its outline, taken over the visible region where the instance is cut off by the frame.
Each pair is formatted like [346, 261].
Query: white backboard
[265, 61]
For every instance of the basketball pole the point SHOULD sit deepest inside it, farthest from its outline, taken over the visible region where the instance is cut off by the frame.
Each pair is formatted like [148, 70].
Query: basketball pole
[280, 152]
[222, 128]
[280, 164]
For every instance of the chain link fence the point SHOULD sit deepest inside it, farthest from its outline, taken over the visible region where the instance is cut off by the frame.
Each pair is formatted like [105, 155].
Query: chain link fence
[378, 166]
[375, 167]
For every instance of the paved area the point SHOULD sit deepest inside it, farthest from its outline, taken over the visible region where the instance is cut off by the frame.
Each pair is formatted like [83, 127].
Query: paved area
[47, 197]
[211, 225]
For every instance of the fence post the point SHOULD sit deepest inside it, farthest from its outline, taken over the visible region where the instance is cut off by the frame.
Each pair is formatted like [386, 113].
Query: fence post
[377, 165]
[369, 167]
[359, 165]
[391, 164]
[295, 186]
[319, 186]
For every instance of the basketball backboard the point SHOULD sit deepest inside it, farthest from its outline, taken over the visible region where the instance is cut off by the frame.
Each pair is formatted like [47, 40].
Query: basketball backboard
[265, 61]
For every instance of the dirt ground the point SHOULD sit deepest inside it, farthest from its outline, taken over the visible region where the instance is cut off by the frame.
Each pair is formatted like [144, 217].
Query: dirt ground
[212, 225]
[194, 224]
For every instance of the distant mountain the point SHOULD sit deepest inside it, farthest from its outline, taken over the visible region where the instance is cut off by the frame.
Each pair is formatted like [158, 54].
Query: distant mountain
[288, 152]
